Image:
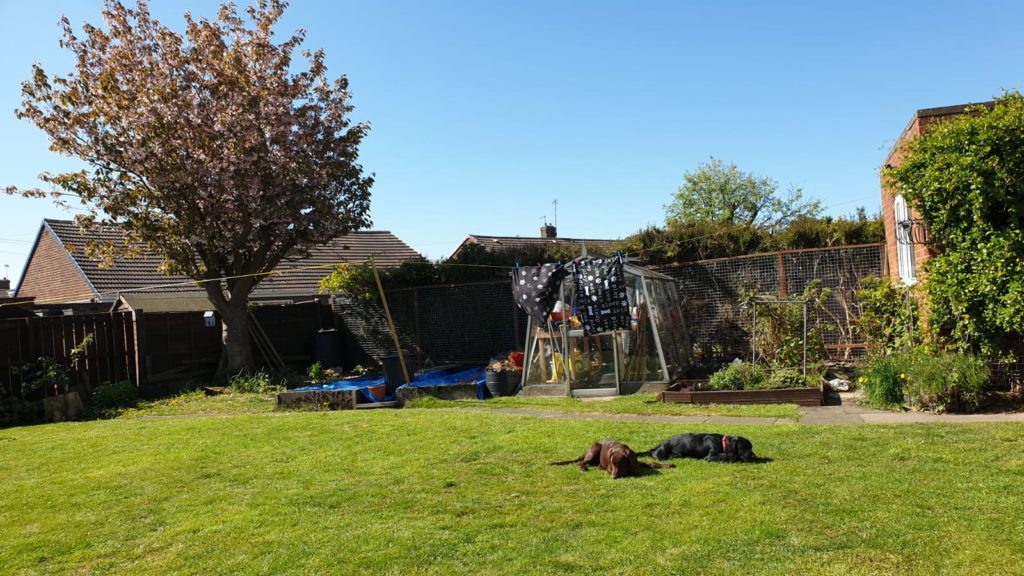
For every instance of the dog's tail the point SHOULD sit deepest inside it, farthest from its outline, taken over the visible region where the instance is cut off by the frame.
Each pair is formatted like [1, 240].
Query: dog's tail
[566, 462]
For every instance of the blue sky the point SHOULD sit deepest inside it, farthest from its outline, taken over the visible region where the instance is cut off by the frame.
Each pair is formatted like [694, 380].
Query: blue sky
[485, 112]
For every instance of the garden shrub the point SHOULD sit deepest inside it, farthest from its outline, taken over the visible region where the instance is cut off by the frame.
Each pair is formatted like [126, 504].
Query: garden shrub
[111, 396]
[254, 383]
[882, 379]
[886, 314]
[789, 378]
[738, 376]
[315, 371]
[778, 332]
[15, 411]
[926, 379]
[945, 381]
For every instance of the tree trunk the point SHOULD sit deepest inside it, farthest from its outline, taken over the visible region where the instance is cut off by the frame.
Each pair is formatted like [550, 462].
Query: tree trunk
[236, 347]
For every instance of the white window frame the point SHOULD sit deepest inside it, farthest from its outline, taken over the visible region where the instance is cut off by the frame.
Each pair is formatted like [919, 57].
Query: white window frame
[904, 241]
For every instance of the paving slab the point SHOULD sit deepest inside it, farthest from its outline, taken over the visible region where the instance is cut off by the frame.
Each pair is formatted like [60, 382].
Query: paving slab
[921, 417]
[849, 414]
[829, 415]
[555, 414]
[746, 420]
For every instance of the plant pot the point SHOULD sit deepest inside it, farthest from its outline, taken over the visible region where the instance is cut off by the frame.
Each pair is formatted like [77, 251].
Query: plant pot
[379, 392]
[393, 374]
[501, 383]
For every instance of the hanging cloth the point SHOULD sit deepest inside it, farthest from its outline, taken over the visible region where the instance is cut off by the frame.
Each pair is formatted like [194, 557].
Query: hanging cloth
[601, 294]
[536, 288]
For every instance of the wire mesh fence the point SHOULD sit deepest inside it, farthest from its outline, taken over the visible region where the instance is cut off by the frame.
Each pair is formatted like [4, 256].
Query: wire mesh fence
[463, 323]
[474, 322]
[712, 296]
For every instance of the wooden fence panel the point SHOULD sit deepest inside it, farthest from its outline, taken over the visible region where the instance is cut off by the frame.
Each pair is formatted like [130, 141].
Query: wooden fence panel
[110, 357]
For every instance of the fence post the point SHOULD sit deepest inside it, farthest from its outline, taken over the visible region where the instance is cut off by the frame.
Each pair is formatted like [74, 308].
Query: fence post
[515, 320]
[781, 264]
[117, 351]
[416, 320]
[138, 342]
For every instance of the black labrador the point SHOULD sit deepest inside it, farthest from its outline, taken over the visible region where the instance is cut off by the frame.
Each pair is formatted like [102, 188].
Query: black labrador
[711, 447]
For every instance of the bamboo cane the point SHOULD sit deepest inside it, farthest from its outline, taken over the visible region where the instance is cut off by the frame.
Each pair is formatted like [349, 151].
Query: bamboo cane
[391, 323]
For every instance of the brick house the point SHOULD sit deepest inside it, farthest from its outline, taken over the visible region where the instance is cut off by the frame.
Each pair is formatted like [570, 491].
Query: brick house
[59, 272]
[907, 245]
[548, 236]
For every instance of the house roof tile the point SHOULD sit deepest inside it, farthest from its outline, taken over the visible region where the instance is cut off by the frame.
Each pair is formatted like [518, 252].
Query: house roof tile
[291, 276]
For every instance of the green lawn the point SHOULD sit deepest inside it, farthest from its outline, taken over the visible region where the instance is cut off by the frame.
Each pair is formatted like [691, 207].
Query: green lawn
[197, 402]
[457, 491]
[632, 404]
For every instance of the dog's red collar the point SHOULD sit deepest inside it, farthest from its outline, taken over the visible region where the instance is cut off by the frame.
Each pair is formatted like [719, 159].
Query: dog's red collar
[724, 448]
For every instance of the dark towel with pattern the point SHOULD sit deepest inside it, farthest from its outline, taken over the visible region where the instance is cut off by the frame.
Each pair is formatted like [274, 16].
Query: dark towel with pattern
[536, 288]
[601, 294]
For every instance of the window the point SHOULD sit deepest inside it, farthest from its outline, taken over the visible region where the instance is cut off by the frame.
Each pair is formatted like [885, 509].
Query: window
[904, 241]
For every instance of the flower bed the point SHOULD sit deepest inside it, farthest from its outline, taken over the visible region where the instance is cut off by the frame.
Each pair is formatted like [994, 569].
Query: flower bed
[798, 396]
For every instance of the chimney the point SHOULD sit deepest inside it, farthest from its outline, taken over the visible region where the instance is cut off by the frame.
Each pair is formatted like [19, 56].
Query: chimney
[5, 284]
[548, 231]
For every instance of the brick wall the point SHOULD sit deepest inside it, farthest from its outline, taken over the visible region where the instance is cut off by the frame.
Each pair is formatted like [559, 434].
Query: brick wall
[917, 126]
[51, 276]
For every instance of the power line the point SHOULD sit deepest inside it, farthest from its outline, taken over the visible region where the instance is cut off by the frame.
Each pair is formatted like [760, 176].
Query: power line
[194, 283]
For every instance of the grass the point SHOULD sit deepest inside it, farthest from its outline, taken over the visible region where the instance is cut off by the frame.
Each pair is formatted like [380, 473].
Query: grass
[196, 402]
[457, 491]
[632, 404]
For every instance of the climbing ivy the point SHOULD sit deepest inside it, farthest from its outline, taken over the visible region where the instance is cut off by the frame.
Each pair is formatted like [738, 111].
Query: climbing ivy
[965, 176]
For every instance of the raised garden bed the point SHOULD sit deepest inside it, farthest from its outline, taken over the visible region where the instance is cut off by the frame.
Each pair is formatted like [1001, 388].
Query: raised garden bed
[333, 399]
[798, 396]
[465, 391]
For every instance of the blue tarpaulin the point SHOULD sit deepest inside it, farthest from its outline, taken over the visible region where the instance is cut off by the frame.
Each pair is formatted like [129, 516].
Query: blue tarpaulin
[428, 378]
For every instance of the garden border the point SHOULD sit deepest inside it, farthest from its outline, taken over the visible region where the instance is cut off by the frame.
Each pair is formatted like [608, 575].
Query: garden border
[798, 396]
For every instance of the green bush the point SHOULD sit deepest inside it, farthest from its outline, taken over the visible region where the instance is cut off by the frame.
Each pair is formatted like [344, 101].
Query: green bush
[929, 380]
[315, 371]
[111, 396]
[963, 176]
[738, 376]
[254, 383]
[789, 378]
[779, 329]
[946, 381]
[886, 314]
[15, 411]
[882, 379]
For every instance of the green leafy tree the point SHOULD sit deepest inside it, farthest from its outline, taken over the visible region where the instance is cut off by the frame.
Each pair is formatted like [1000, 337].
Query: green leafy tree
[205, 147]
[720, 193]
[820, 232]
[965, 176]
[696, 241]
[705, 240]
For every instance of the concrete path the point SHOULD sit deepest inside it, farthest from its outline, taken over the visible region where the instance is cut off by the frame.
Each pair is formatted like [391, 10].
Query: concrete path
[848, 412]
[554, 414]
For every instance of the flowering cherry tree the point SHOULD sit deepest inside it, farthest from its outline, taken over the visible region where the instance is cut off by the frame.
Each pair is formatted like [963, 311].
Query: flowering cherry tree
[205, 147]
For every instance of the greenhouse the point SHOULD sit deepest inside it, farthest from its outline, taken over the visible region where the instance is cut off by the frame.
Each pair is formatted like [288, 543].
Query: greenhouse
[572, 354]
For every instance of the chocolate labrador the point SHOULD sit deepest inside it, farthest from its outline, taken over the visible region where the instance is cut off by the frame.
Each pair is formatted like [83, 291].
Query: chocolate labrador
[711, 447]
[615, 457]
